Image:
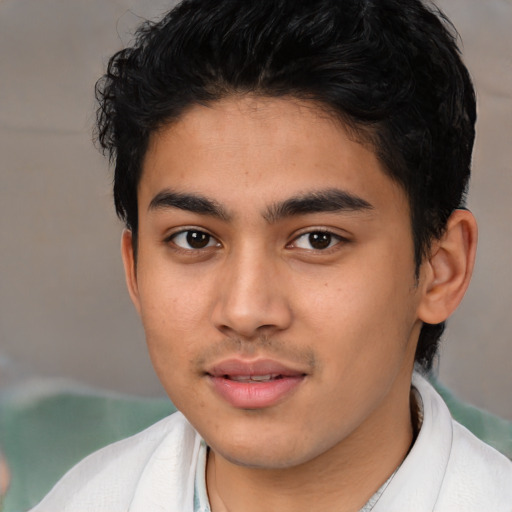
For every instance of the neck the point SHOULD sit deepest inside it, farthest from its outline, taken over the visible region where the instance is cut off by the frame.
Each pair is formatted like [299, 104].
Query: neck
[341, 479]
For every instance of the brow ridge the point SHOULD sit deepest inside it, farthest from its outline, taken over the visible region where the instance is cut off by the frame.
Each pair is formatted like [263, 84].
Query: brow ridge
[189, 202]
[329, 200]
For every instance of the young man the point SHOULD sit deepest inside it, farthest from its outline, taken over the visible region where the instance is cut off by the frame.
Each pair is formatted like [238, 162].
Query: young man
[292, 177]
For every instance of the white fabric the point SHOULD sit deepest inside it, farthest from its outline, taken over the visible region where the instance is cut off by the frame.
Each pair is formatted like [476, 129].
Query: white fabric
[447, 470]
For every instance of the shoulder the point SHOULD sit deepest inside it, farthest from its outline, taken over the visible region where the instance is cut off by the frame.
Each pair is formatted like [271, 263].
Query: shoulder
[447, 469]
[476, 476]
[107, 480]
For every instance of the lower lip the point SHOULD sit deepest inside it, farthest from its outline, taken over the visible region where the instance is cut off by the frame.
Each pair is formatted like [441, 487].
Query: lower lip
[255, 395]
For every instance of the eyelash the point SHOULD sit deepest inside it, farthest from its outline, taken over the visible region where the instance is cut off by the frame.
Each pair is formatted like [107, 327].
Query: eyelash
[323, 237]
[190, 233]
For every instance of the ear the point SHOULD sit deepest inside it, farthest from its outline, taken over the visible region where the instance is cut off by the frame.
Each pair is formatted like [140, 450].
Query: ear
[447, 272]
[130, 267]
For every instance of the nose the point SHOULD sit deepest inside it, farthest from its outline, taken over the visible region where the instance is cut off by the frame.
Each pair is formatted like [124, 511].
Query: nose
[251, 298]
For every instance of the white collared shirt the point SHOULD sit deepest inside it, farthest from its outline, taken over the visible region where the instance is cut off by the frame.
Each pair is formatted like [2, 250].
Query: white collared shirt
[447, 470]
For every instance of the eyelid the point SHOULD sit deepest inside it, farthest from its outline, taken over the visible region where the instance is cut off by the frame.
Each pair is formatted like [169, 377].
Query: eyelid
[182, 230]
[311, 230]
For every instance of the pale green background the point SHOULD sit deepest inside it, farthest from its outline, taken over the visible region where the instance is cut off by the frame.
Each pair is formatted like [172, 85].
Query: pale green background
[63, 308]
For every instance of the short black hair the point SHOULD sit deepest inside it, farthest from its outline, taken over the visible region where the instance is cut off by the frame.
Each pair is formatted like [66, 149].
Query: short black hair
[389, 69]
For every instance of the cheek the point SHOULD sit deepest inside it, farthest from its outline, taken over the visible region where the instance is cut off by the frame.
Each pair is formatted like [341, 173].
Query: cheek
[355, 298]
[171, 300]
[361, 311]
[172, 314]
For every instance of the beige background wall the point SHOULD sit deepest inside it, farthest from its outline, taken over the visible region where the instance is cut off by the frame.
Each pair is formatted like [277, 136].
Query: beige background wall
[63, 307]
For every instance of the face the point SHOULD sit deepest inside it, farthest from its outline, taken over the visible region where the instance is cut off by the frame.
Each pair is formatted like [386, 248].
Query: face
[275, 280]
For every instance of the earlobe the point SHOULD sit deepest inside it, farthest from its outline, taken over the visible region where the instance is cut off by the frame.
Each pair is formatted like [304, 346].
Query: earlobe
[130, 270]
[447, 273]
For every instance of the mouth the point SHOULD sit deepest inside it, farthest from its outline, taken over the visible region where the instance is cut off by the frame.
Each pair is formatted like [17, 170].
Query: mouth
[254, 384]
[253, 378]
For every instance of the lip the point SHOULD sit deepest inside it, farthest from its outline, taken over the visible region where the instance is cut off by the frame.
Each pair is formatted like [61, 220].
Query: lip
[254, 384]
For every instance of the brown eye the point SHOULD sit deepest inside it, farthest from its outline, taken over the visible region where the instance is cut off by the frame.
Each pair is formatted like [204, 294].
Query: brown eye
[198, 239]
[194, 239]
[320, 240]
[317, 240]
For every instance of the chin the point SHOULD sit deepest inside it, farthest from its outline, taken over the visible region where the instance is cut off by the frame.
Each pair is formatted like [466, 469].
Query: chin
[260, 459]
[264, 453]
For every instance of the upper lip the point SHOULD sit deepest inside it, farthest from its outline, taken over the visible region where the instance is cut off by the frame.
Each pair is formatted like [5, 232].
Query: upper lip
[239, 367]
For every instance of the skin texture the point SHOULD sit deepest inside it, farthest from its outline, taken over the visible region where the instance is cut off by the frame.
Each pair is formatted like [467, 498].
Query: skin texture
[346, 317]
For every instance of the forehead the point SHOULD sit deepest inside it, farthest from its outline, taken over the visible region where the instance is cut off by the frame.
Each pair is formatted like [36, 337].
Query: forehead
[252, 151]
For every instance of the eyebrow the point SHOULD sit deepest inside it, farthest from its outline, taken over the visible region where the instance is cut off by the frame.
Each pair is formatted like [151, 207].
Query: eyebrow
[330, 200]
[190, 202]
